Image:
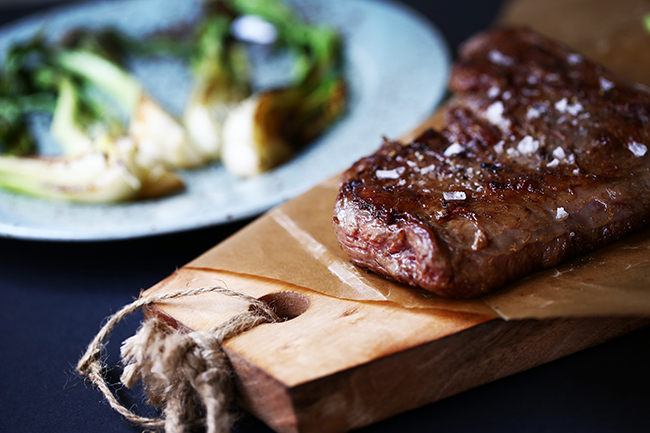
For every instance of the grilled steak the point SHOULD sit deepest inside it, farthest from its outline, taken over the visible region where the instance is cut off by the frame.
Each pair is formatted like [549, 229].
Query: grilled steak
[542, 156]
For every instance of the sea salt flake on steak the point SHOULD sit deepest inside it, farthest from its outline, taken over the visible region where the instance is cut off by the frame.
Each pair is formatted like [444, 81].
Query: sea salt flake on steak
[512, 152]
[605, 84]
[390, 174]
[561, 105]
[494, 113]
[561, 214]
[574, 58]
[454, 195]
[532, 113]
[528, 145]
[559, 153]
[497, 57]
[517, 199]
[454, 149]
[638, 149]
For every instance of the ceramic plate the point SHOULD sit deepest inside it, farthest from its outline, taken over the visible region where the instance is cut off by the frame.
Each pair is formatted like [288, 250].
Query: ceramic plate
[397, 68]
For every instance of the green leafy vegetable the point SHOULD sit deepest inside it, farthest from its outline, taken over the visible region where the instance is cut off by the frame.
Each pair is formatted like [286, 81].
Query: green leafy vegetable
[270, 126]
[221, 80]
[23, 90]
[109, 174]
[81, 117]
[160, 137]
[119, 144]
[100, 163]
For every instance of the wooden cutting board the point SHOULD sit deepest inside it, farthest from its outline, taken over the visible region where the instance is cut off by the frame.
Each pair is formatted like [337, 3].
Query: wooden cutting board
[339, 364]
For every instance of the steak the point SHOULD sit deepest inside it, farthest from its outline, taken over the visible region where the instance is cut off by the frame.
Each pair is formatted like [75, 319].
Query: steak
[542, 156]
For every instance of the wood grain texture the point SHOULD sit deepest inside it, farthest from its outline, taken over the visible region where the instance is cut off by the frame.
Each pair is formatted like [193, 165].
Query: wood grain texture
[611, 33]
[345, 364]
[332, 335]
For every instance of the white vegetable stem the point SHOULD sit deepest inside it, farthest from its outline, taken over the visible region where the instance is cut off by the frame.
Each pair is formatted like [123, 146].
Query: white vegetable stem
[204, 129]
[160, 137]
[65, 128]
[109, 174]
[248, 147]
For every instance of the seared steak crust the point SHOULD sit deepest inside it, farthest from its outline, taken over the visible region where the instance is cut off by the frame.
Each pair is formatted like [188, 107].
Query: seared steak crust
[543, 155]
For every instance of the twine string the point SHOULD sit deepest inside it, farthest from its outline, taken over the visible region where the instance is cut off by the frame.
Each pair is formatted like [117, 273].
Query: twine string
[187, 375]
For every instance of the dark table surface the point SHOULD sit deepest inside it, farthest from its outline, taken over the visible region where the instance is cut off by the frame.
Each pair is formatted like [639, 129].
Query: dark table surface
[54, 296]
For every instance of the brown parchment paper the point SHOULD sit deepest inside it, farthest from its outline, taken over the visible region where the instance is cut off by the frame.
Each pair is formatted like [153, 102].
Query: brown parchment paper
[295, 242]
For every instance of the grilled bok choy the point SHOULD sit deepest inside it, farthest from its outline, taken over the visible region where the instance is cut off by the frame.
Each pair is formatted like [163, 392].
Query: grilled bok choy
[78, 120]
[120, 144]
[100, 162]
[221, 80]
[96, 58]
[20, 95]
[89, 133]
[160, 137]
[271, 125]
[108, 174]
[15, 137]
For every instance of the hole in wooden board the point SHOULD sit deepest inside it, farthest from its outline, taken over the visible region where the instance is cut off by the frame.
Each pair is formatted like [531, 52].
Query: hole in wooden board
[287, 305]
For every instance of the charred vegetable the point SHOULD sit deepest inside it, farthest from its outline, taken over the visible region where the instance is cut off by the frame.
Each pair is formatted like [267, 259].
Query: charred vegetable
[100, 162]
[159, 136]
[109, 174]
[272, 125]
[119, 144]
[221, 80]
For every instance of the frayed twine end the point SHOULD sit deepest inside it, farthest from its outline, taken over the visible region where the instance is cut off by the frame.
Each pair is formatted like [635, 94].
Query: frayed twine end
[187, 375]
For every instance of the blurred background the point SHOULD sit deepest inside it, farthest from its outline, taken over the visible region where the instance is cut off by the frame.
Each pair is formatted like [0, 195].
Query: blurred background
[453, 18]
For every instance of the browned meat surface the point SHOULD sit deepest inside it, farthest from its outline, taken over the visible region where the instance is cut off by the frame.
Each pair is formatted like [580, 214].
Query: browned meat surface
[543, 155]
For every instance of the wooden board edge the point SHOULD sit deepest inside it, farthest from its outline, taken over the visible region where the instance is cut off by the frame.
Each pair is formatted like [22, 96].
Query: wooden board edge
[413, 377]
[433, 371]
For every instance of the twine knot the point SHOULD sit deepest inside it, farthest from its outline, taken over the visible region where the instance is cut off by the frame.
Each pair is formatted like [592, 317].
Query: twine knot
[188, 375]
